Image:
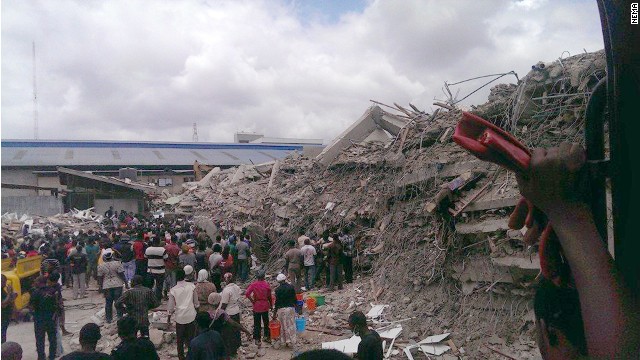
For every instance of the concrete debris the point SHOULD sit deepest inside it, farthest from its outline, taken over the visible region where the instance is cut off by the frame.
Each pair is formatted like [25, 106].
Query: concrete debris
[461, 269]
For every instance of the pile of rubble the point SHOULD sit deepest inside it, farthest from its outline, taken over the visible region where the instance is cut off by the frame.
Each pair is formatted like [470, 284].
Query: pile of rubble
[430, 219]
[13, 226]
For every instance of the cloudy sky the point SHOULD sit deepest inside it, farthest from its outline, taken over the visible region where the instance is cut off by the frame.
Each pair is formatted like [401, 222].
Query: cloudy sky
[147, 70]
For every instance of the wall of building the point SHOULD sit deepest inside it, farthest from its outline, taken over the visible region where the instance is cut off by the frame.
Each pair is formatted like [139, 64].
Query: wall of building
[176, 180]
[21, 177]
[33, 205]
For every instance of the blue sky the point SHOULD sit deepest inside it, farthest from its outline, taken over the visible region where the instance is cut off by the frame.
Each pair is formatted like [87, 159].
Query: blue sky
[326, 11]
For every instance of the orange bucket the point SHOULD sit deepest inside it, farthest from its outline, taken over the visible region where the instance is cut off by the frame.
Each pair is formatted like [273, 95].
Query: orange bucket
[274, 329]
[299, 296]
[311, 304]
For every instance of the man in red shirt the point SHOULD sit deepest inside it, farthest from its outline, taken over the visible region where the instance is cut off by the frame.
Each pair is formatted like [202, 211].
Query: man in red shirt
[141, 262]
[259, 292]
[170, 266]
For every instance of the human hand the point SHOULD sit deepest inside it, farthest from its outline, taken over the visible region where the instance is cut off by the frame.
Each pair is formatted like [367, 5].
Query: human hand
[556, 179]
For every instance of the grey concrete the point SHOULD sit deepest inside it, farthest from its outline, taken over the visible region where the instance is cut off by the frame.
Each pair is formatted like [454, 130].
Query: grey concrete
[21, 177]
[32, 205]
[357, 132]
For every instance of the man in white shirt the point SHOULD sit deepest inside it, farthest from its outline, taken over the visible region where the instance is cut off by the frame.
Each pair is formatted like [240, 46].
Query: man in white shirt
[156, 256]
[230, 302]
[302, 238]
[309, 253]
[183, 302]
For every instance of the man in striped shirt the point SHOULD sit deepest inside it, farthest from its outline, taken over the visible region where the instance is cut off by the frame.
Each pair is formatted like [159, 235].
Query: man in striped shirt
[137, 302]
[156, 255]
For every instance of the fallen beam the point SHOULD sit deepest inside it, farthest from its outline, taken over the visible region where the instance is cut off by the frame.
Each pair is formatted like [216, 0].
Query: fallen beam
[492, 204]
[486, 226]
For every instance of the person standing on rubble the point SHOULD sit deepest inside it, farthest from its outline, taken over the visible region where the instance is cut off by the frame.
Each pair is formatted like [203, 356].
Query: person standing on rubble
[244, 255]
[156, 255]
[370, 347]
[334, 256]
[293, 265]
[301, 238]
[309, 253]
[348, 252]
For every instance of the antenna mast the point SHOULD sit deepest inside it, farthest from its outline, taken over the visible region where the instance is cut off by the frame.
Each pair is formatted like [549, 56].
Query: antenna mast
[35, 96]
[195, 132]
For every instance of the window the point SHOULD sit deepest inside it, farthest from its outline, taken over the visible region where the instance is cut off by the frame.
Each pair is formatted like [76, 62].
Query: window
[165, 182]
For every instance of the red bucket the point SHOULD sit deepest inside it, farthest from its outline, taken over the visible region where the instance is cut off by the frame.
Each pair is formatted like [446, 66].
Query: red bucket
[311, 304]
[274, 329]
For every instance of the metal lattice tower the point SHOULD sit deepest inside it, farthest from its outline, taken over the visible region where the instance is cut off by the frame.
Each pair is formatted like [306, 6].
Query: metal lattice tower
[195, 132]
[35, 96]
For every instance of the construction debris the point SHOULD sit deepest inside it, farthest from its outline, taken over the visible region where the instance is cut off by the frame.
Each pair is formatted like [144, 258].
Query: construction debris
[429, 219]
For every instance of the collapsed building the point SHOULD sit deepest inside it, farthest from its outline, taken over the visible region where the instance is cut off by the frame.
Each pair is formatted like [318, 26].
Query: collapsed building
[430, 219]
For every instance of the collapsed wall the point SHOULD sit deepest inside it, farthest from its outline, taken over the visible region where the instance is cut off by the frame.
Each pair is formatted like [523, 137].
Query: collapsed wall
[430, 219]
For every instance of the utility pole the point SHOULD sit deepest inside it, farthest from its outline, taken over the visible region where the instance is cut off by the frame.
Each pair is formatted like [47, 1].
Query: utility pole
[195, 133]
[35, 96]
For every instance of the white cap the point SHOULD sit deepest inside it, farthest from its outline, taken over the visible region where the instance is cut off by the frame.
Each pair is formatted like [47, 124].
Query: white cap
[188, 269]
[281, 277]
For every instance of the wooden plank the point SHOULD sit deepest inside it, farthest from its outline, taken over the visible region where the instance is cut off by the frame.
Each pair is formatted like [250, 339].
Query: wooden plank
[486, 226]
[492, 204]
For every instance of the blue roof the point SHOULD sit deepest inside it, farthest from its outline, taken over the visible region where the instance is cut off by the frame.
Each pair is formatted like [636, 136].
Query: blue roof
[47, 153]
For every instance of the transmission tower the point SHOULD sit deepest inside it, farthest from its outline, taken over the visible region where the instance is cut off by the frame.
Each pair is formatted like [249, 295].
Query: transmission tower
[35, 96]
[195, 132]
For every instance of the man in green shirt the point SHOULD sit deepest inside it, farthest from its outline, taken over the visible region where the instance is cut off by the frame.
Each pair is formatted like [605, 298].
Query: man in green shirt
[92, 250]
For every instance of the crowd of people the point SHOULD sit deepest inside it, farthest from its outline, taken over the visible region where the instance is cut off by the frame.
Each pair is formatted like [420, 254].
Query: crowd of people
[138, 262]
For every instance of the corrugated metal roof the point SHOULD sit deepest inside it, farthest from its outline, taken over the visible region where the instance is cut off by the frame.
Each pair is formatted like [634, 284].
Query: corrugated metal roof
[34, 153]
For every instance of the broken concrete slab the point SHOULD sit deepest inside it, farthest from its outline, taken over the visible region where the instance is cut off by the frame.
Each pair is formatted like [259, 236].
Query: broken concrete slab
[528, 266]
[207, 178]
[492, 204]
[274, 173]
[485, 226]
[357, 132]
[389, 122]
[377, 135]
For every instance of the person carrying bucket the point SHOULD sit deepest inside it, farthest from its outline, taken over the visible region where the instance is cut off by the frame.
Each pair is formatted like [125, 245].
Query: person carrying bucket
[285, 310]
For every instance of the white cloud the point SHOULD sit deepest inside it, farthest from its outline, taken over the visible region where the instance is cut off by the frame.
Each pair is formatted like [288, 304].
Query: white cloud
[143, 70]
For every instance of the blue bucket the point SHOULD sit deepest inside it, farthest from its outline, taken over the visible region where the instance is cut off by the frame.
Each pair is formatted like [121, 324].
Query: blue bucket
[301, 323]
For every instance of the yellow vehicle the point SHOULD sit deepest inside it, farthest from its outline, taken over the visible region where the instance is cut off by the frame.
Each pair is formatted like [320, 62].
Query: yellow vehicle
[21, 277]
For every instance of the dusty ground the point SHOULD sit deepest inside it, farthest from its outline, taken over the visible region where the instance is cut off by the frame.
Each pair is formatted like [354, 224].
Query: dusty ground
[81, 311]
[330, 319]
